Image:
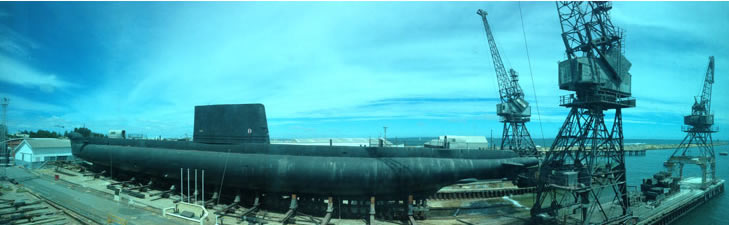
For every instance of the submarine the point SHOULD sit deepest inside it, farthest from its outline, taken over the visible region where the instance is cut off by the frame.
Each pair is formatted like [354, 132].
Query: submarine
[231, 144]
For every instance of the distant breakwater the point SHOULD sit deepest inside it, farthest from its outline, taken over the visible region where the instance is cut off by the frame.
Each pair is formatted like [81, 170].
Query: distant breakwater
[644, 147]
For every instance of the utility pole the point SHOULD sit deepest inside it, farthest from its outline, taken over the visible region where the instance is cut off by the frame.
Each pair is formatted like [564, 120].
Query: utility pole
[492, 139]
[3, 133]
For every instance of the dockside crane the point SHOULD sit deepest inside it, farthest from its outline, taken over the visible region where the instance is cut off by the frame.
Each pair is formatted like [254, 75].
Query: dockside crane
[514, 111]
[698, 128]
[582, 177]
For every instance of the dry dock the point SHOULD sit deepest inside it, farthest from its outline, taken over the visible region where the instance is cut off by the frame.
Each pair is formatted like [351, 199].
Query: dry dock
[467, 209]
[482, 202]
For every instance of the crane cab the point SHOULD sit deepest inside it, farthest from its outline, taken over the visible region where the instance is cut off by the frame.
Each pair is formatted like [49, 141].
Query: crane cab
[579, 73]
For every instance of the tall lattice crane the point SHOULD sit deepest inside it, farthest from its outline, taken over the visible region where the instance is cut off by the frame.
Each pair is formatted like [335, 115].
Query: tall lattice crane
[582, 177]
[513, 109]
[698, 131]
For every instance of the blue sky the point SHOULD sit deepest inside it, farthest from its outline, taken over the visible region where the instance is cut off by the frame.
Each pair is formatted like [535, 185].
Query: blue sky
[335, 69]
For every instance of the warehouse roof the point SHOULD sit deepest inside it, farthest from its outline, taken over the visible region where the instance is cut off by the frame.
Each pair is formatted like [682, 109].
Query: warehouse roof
[47, 145]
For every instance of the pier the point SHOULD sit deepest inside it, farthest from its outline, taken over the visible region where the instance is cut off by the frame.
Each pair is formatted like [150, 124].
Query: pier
[675, 206]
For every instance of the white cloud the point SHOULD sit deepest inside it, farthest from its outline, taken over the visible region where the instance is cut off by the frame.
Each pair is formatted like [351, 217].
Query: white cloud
[15, 72]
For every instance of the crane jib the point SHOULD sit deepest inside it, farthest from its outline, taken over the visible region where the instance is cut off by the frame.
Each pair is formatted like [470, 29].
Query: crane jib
[509, 89]
[708, 82]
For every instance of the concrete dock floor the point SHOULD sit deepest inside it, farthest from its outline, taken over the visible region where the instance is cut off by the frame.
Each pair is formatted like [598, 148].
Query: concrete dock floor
[506, 210]
[17, 193]
[90, 197]
[85, 202]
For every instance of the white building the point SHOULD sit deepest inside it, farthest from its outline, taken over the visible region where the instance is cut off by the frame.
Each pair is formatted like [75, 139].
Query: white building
[33, 152]
[460, 142]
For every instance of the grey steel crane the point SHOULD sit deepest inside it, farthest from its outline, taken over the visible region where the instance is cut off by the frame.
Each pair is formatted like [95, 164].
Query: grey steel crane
[585, 165]
[698, 131]
[513, 109]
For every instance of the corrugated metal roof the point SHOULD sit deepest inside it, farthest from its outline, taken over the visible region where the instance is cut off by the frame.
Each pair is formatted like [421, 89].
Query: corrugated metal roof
[48, 145]
[38, 143]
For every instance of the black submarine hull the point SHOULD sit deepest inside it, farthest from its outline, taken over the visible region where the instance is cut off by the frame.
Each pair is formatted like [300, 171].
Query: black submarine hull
[306, 170]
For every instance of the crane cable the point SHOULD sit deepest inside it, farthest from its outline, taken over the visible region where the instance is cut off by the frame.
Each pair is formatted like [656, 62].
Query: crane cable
[534, 89]
[225, 168]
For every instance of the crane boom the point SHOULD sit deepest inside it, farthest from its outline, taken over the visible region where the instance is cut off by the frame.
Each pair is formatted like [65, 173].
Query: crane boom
[708, 82]
[508, 88]
[593, 44]
[702, 102]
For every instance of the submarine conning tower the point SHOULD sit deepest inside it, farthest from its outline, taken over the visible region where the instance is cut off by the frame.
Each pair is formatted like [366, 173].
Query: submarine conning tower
[230, 124]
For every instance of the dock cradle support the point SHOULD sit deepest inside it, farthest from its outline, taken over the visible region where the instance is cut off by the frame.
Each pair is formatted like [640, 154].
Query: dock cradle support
[256, 205]
[124, 182]
[212, 199]
[330, 210]
[411, 218]
[372, 210]
[230, 207]
[292, 210]
[162, 194]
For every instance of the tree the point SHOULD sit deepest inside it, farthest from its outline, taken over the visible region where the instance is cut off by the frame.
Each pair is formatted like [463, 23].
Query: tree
[86, 132]
[43, 134]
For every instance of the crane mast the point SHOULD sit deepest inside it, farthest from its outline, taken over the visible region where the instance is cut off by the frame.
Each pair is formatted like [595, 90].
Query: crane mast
[513, 109]
[698, 128]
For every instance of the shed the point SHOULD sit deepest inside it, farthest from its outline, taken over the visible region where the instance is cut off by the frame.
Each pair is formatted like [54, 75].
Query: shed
[34, 152]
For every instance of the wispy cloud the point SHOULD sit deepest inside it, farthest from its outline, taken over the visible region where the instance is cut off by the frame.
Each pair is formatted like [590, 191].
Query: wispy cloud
[15, 72]
[23, 104]
[13, 42]
[15, 52]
